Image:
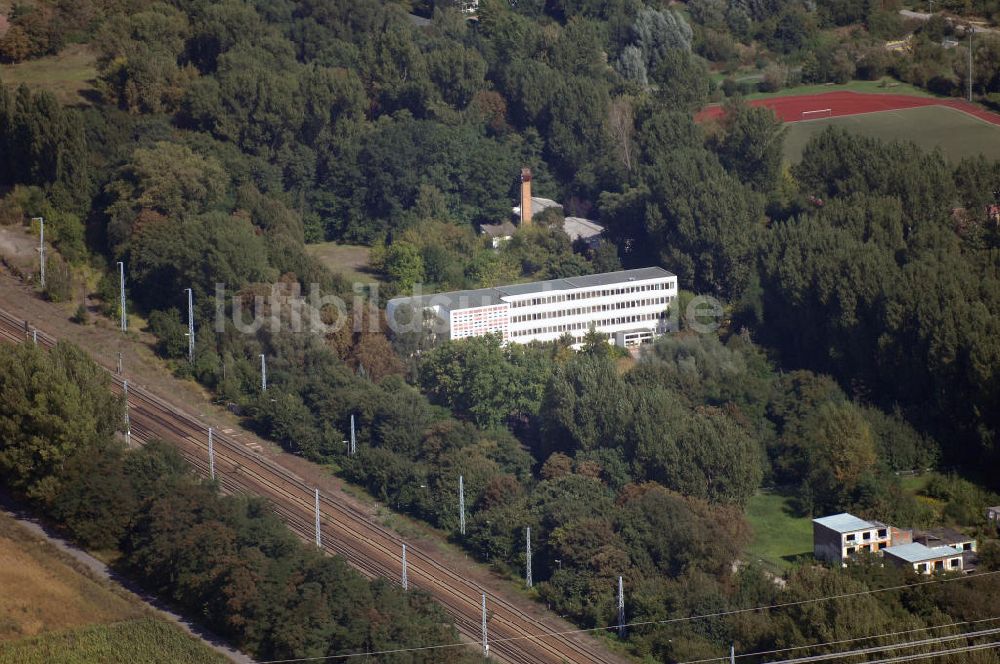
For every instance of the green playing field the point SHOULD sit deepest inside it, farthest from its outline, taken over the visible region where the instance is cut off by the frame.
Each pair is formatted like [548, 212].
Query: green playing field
[956, 134]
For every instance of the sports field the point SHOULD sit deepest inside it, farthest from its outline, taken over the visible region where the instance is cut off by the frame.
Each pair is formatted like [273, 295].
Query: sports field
[837, 104]
[959, 129]
[955, 133]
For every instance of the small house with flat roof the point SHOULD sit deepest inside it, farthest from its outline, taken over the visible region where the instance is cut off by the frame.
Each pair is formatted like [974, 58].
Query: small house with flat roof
[936, 537]
[925, 559]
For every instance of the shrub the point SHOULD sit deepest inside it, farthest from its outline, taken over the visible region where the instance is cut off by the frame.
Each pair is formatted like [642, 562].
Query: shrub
[170, 331]
[775, 78]
[80, 316]
[58, 280]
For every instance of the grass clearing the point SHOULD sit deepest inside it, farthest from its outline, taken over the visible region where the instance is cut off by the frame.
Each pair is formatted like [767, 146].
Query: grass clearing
[51, 610]
[914, 484]
[146, 640]
[955, 133]
[43, 591]
[883, 86]
[348, 260]
[779, 537]
[69, 75]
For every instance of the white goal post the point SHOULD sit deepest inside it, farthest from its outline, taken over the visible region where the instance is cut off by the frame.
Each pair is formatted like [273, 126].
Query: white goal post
[819, 113]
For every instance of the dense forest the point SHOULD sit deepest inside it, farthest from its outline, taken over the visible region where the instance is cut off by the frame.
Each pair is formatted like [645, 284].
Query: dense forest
[861, 286]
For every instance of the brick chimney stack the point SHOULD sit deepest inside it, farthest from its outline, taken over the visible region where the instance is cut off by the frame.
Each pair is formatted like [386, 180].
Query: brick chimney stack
[525, 196]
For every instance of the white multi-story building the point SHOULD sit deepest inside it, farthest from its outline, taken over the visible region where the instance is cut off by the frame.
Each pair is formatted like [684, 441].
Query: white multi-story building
[629, 307]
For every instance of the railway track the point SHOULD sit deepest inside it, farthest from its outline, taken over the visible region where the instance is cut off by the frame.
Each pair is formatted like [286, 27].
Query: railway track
[371, 548]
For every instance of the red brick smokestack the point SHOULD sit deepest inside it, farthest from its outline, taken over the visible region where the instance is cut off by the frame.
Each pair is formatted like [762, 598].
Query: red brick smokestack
[525, 196]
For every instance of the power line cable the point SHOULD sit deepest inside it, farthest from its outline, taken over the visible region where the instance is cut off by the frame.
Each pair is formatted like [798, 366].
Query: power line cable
[938, 653]
[891, 646]
[838, 642]
[644, 623]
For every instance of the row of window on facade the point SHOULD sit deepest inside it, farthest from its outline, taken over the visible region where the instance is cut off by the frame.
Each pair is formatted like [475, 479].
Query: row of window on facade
[882, 533]
[479, 314]
[924, 568]
[476, 327]
[583, 326]
[480, 319]
[588, 295]
[865, 548]
[579, 311]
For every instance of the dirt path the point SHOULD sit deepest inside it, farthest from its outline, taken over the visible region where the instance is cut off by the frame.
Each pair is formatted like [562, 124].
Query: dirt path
[101, 571]
[104, 341]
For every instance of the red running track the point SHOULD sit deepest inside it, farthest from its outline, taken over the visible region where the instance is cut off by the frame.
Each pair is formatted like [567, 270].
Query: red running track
[789, 109]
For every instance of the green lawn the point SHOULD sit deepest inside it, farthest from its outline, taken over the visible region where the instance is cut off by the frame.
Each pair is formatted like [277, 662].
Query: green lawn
[69, 75]
[884, 86]
[914, 484]
[957, 134]
[147, 641]
[351, 261]
[778, 535]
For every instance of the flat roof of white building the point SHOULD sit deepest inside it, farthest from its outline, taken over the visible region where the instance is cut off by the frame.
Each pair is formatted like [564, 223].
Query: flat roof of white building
[918, 553]
[482, 297]
[846, 523]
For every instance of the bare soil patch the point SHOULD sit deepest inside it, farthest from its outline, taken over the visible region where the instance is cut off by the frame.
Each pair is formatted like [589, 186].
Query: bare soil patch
[18, 249]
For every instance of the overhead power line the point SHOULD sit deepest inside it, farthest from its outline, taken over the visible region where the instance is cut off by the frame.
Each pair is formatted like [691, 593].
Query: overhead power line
[839, 642]
[644, 623]
[891, 646]
[939, 653]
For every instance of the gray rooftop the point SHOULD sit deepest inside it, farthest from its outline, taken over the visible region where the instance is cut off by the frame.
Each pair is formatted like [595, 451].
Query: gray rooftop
[503, 229]
[846, 523]
[946, 536]
[538, 205]
[578, 227]
[587, 281]
[482, 297]
[479, 297]
[918, 553]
